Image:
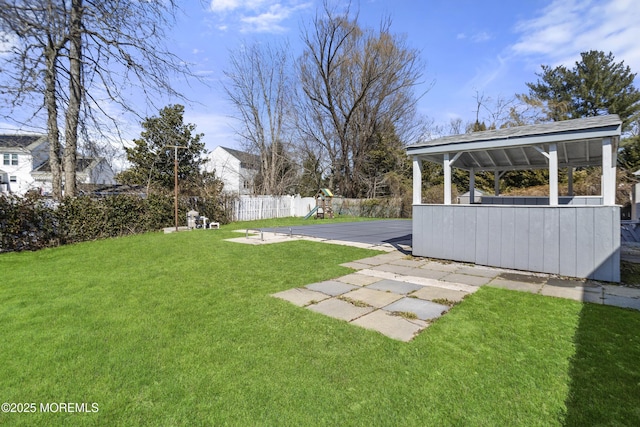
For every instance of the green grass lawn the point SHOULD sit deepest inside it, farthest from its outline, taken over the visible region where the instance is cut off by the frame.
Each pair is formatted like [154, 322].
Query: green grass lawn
[180, 329]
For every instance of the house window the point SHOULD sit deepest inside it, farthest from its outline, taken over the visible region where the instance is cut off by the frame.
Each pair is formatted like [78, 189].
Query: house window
[251, 166]
[13, 178]
[10, 159]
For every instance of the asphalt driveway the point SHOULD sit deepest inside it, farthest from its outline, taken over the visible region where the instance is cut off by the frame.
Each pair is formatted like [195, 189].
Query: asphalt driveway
[391, 231]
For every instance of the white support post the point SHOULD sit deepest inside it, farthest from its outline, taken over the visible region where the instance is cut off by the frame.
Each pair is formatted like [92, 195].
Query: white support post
[417, 180]
[496, 182]
[446, 165]
[553, 175]
[608, 173]
[472, 186]
[570, 177]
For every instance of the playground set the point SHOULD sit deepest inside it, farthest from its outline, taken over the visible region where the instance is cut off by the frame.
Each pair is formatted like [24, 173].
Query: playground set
[323, 208]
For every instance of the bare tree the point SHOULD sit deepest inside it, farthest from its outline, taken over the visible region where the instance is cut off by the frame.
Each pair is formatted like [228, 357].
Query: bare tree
[34, 36]
[259, 86]
[356, 82]
[100, 50]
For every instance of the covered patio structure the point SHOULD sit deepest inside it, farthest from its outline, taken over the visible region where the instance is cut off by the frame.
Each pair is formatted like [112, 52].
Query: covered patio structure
[576, 236]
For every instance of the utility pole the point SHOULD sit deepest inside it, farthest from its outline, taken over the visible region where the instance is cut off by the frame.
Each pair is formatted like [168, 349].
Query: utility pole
[175, 179]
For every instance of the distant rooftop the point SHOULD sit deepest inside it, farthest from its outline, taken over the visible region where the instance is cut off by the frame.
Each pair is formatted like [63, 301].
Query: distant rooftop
[19, 141]
[82, 163]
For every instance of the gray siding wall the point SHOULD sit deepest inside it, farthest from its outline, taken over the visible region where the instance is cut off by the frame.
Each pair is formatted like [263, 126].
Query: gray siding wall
[576, 241]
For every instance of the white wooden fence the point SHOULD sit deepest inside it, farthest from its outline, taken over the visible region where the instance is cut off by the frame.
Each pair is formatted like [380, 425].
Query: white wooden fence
[249, 208]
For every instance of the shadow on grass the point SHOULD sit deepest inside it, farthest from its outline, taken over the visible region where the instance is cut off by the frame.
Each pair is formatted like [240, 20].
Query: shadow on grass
[605, 370]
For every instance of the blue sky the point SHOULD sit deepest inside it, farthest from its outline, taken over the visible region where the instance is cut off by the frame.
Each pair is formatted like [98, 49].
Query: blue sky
[491, 47]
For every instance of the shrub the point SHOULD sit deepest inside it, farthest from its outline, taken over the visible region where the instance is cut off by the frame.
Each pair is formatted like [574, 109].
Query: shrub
[26, 223]
[33, 222]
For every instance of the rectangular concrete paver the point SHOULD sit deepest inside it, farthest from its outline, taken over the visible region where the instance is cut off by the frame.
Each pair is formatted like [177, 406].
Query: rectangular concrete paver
[622, 291]
[534, 288]
[301, 296]
[409, 262]
[395, 327]
[576, 294]
[372, 297]
[358, 279]
[523, 278]
[425, 310]
[466, 279]
[427, 273]
[356, 265]
[440, 284]
[331, 287]
[339, 309]
[395, 286]
[391, 256]
[478, 271]
[381, 259]
[441, 266]
[619, 301]
[393, 268]
[423, 281]
[434, 293]
[565, 283]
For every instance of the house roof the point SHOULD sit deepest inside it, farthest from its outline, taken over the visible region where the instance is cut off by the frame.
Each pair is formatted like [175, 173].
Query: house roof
[579, 143]
[243, 156]
[82, 164]
[27, 142]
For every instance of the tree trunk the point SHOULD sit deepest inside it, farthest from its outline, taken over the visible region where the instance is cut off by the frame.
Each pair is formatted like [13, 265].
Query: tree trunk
[52, 122]
[75, 98]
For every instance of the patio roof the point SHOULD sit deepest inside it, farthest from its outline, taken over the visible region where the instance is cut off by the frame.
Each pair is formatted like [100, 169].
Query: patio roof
[577, 142]
[591, 141]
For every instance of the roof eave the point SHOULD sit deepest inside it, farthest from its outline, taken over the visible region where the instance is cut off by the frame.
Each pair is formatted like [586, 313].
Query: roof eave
[524, 140]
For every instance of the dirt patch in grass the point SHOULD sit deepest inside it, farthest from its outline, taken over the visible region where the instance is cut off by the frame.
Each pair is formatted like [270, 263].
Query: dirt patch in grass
[354, 302]
[405, 314]
[445, 301]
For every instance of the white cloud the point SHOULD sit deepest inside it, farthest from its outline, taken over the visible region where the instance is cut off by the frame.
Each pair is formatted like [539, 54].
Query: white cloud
[230, 5]
[263, 16]
[486, 74]
[224, 5]
[564, 29]
[267, 22]
[481, 37]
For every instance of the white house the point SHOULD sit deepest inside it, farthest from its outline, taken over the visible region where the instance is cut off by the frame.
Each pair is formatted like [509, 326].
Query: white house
[237, 169]
[89, 170]
[25, 165]
[21, 154]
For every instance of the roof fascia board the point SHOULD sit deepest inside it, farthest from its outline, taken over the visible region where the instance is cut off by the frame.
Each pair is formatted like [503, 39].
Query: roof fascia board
[516, 141]
[35, 144]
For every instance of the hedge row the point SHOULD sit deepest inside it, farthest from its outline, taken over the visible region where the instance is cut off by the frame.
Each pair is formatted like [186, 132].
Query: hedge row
[32, 222]
[390, 207]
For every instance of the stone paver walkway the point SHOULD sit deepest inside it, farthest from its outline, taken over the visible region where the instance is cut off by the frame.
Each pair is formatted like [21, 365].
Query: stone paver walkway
[399, 296]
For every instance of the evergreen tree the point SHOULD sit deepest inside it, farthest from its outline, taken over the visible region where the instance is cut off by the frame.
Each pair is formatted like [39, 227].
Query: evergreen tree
[152, 156]
[596, 85]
